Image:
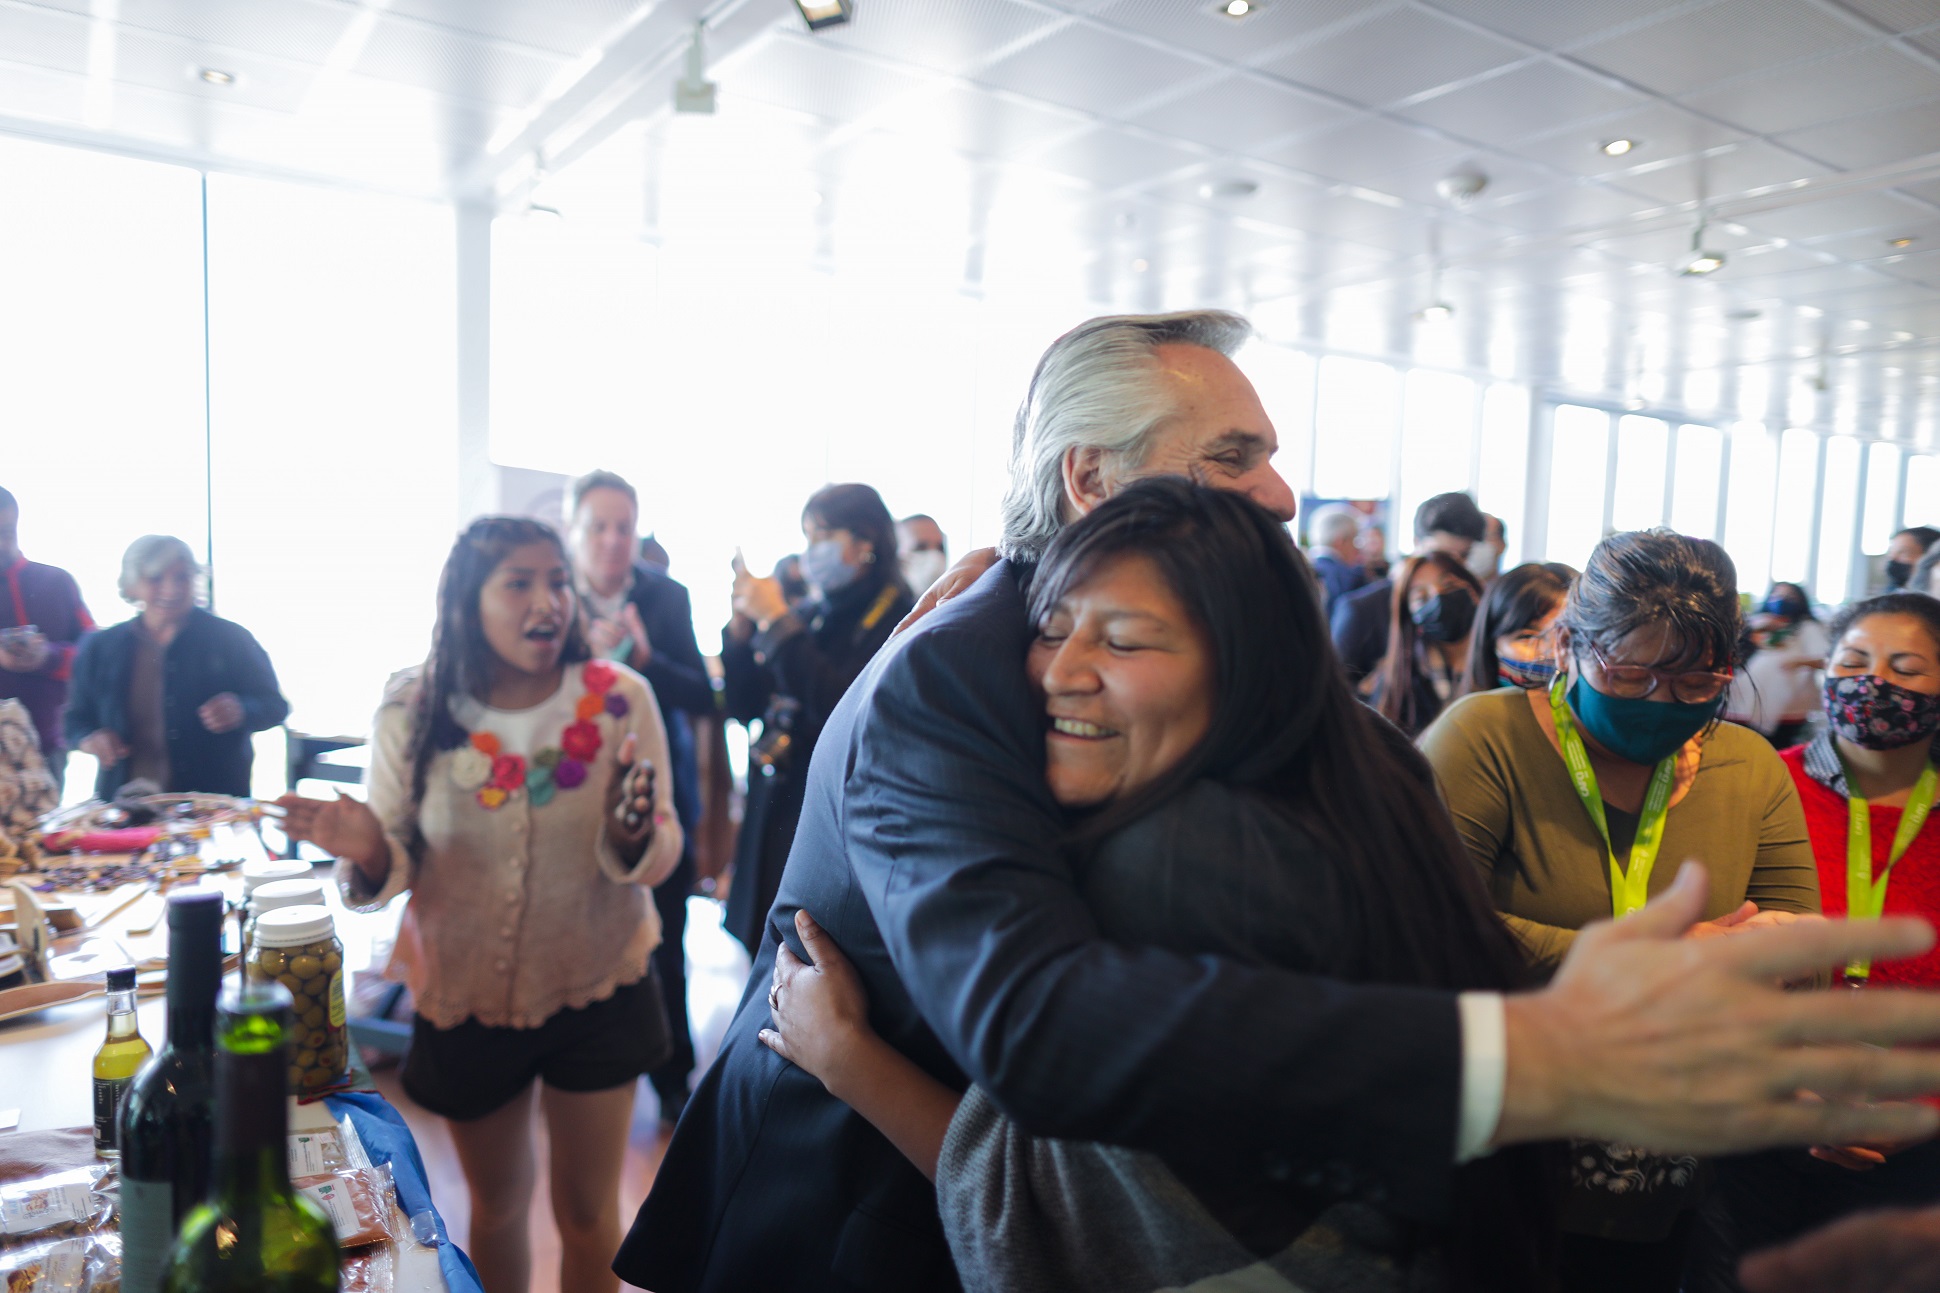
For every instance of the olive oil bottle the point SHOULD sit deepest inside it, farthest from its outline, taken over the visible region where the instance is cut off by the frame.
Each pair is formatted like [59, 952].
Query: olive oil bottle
[116, 1063]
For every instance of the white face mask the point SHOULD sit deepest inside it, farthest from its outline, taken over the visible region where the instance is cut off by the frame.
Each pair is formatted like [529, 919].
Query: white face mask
[1484, 560]
[924, 567]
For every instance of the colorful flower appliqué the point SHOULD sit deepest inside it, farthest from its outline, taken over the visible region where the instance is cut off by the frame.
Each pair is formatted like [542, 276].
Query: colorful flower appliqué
[482, 765]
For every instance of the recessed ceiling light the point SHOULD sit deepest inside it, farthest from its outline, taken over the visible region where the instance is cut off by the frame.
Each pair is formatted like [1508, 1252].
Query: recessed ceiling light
[216, 76]
[1899, 242]
[1231, 190]
[1436, 312]
[1239, 8]
[829, 13]
[1141, 265]
[1616, 147]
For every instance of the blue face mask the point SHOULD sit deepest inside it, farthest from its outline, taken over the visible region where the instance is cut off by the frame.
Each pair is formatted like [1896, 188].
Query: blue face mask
[823, 566]
[1527, 674]
[1639, 729]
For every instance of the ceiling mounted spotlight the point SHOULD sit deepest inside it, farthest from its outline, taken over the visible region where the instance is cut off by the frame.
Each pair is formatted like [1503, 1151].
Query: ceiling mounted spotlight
[1616, 147]
[1462, 186]
[830, 13]
[1229, 190]
[216, 76]
[694, 92]
[1239, 8]
[1702, 259]
[1435, 312]
[1900, 242]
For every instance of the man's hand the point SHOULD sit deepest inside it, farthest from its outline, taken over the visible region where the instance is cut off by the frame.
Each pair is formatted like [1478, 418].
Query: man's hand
[1691, 1046]
[221, 713]
[956, 580]
[25, 653]
[107, 747]
[603, 635]
[1874, 1252]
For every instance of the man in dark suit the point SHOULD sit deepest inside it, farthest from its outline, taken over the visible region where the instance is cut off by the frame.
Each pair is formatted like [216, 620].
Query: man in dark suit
[639, 614]
[1450, 523]
[929, 849]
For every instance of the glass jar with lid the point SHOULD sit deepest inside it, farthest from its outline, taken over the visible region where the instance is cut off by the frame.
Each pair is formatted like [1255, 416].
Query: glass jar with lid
[274, 894]
[298, 948]
[264, 871]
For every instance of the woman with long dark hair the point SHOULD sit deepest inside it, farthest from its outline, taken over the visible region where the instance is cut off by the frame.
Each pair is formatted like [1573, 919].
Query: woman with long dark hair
[787, 668]
[1777, 692]
[1220, 802]
[1435, 599]
[1577, 802]
[1512, 644]
[519, 790]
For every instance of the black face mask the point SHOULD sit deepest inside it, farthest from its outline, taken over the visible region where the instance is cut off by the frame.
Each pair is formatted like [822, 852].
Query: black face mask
[1897, 573]
[1446, 617]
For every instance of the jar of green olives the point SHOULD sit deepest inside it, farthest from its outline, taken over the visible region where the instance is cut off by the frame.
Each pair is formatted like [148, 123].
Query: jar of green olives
[298, 948]
[270, 896]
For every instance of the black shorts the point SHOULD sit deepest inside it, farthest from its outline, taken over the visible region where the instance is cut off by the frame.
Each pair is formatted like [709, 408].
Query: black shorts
[474, 1069]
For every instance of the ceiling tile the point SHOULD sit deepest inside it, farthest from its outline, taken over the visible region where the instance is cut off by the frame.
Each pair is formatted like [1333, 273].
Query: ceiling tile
[1839, 85]
[1507, 180]
[1877, 245]
[1369, 151]
[566, 27]
[805, 76]
[981, 122]
[44, 38]
[952, 36]
[1885, 212]
[1660, 131]
[1497, 110]
[39, 94]
[1549, 23]
[1869, 141]
[1090, 70]
[171, 64]
[1392, 56]
[1900, 15]
[1189, 24]
[1753, 164]
[304, 32]
[1240, 113]
[1112, 159]
[1576, 206]
[1720, 41]
[454, 64]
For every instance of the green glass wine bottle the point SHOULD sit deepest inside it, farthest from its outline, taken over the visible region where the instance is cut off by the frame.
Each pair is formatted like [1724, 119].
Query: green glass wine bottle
[253, 1232]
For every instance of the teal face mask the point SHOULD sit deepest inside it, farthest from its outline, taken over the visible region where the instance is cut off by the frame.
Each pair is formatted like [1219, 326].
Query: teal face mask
[1637, 728]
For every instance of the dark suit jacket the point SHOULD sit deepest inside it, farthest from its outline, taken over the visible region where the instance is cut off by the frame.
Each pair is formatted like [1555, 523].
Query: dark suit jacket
[1360, 628]
[929, 849]
[679, 679]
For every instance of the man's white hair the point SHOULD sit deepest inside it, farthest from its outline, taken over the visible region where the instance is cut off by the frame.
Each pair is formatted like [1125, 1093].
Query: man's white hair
[1333, 523]
[149, 556]
[1097, 387]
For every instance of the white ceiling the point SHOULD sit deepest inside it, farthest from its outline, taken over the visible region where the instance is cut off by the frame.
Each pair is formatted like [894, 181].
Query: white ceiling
[1810, 129]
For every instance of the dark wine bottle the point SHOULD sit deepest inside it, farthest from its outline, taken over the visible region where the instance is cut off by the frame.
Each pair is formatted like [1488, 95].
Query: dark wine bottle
[168, 1118]
[254, 1234]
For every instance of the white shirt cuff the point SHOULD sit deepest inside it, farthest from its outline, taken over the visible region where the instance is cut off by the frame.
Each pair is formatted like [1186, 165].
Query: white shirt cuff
[1485, 1068]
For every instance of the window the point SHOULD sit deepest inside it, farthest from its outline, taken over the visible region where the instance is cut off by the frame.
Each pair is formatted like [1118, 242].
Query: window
[1922, 491]
[1579, 464]
[1694, 489]
[1437, 438]
[1357, 412]
[1284, 379]
[1502, 470]
[1643, 447]
[1882, 498]
[1748, 508]
[1798, 483]
[1838, 517]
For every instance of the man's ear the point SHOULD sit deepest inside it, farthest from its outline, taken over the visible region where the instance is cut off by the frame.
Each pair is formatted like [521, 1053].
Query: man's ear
[1086, 481]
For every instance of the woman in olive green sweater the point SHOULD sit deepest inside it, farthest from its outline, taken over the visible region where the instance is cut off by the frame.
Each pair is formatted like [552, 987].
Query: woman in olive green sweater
[1580, 801]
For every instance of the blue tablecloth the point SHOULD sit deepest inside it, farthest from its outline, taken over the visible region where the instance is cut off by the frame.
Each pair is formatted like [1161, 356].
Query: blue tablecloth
[388, 1140]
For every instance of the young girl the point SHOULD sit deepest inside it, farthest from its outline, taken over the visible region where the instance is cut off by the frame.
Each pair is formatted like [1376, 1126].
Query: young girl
[512, 792]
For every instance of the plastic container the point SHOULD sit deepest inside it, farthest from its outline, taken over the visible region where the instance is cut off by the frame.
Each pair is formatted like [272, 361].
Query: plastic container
[257, 874]
[298, 948]
[273, 894]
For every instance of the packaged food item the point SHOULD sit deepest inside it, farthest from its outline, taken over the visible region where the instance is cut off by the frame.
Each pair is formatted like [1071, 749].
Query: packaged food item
[316, 1153]
[57, 1206]
[86, 1264]
[369, 1270]
[358, 1202]
[270, 895]
[298, 948]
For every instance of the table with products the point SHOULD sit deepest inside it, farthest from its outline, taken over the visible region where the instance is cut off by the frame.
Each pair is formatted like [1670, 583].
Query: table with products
[369, 1176]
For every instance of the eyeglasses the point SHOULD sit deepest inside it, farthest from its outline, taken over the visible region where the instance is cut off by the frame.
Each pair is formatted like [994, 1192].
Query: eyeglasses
[1635, 681]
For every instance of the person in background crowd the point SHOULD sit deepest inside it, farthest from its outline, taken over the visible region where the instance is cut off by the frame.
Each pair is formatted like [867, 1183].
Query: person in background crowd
[653, 554]
[28, 789]
[1485, 558]
[1867, 784]
[517, 791]
[1512, 644]
[638, 615]
[1446, 523]
[788, 667]
[1568, 796]
[1906, 550]
[172, 696]
[1435, 598]
[922, 550]
[42, 622]
[1335, 551]
[1922, 580]
[788, 574]
[1778, 689]
[931, 851]
[1374, 552]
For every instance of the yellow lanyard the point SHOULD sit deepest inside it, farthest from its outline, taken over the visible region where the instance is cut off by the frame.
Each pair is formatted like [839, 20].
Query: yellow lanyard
[1865, 893]
[1629, 885]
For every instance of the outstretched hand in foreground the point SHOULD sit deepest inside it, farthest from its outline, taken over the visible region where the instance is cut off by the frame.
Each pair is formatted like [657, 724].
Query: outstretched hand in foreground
[1875, 1252]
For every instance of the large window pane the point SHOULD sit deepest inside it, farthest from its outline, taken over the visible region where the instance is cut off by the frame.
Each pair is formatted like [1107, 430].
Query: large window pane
[1922, 490]
[1502, 472]
[1437, 438]
[1748, 508]
[1356, 417]
[1837, 518]
[1882, 497]
[1643, 446]
[1579, 464]
[1798, 480]
[1694, 487]
[1284, 379]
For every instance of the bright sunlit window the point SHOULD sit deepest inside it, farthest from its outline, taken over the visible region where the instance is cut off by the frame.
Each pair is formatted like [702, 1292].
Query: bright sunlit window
[1502, 468]
[1437, 437]
[1356, 415]
[1748, 505]
[1882, 498]
[1695, 483]
[1578, 469]
[1643, 446]
[1798, 481]
[1922, 490]
[1838, 517]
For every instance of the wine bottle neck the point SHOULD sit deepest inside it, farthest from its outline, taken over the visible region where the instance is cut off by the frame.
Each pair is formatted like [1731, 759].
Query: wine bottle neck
[245, 1180]
[252, 1120]
[194, 974]
[191, 1027]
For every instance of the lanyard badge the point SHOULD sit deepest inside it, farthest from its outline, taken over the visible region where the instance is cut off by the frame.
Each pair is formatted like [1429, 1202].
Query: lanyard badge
[1866, 893]
[1629, 884]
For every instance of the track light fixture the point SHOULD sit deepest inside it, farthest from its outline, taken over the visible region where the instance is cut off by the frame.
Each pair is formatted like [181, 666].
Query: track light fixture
[1702, 260]
[826, 13]
[694, 92]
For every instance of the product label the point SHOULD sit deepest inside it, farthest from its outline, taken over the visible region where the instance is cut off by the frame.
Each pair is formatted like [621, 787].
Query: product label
[108, 1094]
[337, 999]
[147, 1234]
[43, 1208]
[316, 1152]
[334, 1200]
[65, 1268]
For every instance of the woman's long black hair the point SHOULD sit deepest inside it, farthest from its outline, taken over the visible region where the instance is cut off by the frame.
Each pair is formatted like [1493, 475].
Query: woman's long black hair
[1410, 907]
[1515, 602]
[1396, 702]
[460, 663]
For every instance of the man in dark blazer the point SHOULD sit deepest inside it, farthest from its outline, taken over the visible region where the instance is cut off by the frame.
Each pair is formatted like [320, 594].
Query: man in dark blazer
[1450, 523]
[929, 850]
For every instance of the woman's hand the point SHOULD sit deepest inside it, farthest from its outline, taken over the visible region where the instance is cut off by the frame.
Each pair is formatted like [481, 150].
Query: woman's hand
[221, 713]
[820, 1010]
[105, 746]
[1724, 924]
[759, 598]
[629, 802]
[342, 827]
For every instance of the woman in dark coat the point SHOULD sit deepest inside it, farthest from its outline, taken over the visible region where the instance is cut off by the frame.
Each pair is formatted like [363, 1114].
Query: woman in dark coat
[172, 695]
[788, 668]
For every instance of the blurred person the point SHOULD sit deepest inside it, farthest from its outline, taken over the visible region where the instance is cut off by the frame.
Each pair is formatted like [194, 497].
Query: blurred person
[517, 791]
[637, 614]
[1513, 644]
[1567, 797]
[1435, 600]
[1777, 691]
[931, 852]
[28, 789]
[1446, 523]
[788, 666]
[1485, 558]
[172, 696]
[1374, 552]
[1335, 551]
[42, 622]
[653, 553]
[1904, 551]
[1922, 579]
[923, 551]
